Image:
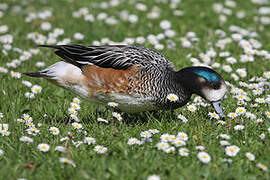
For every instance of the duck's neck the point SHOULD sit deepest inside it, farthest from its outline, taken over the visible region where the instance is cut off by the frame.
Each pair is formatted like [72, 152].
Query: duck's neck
[189, 80]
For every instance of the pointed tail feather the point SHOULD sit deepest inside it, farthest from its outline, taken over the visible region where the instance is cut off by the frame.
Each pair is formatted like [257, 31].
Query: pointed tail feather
[37, 74]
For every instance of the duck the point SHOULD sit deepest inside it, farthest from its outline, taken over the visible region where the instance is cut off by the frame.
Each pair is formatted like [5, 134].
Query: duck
[136, 78]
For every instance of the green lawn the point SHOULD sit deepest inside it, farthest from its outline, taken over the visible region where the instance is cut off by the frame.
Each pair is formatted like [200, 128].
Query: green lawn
[122, 161]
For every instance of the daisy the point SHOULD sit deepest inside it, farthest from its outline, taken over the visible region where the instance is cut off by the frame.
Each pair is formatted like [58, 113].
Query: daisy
[172, 97]
[239, 127]
[26, 139]
[224, 136]
[250, 156]
[227, 68]
[60, 148]
[262, 136]
[77, 125]
[260, 100]
[54, 130]
[72, 111]
[240, 110]
[153, 177]
[65, 160]
[165, 137]
[26, 83]
[117, 116]
[29, 95]
[46, 26]
[182, 136]
[132, 141]
[78, 36]
[89, 140]
[36, 89]
[162, 145]
[5, 133]
[250, 115]
[200, 148]
[179, 143]
[183, 152]
[232, 150]
[44, 147]
[100, 149]
[153, 131]
[15, 74]
[183, 118]
[204, 157]
[75, 106]
[213, 115]
[224, 143]
[76, 100]
[74, 117]
[146, 134]
[112, 104]
[169, 150]
[267, 113]
[232, 115]
[1, 152]
[192, 108]
[102, 120]
[165, 24]
[262, 166]
[27, 118]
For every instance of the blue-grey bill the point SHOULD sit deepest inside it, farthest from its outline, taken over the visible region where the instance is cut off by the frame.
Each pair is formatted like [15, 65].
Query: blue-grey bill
[218, 107]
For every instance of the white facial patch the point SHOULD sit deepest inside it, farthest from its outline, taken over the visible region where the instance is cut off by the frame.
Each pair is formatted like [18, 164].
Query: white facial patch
[214, 94]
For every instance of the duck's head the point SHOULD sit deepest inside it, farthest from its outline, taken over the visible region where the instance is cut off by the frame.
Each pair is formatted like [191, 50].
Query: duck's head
[206, 83]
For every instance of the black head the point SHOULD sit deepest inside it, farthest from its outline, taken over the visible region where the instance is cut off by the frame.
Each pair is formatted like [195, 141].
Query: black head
[206, 83]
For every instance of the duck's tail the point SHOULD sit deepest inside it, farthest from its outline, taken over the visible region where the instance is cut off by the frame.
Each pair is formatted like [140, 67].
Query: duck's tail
[38, 74]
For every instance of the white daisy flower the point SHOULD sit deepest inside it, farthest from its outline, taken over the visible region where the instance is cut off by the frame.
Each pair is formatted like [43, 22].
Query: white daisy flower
[153, 177]
[102, 120]
[100, 149]
[179, 143]
[60, 148]
[162, 145]
[165, 24]
[165, 137]
[74, 117]
[78, 36]
[15, 74]
[26, 139]
[89, 140]
[65, 160]
[54, 130]
[232, 150]
[117, 116]
[172, 97]
[132, 141]
[75, 106]
[250, 156]
[239, 127]
[192, 108]
[224, 143]
[44, 147]
[183, 152]
[169, 150]
[146, 134]
[76, 100]
[46, 26]
[77, 125]
[204, 157]
[36, 89]
[182, 136]
[112, 104]
[183, 118]
[262, 166]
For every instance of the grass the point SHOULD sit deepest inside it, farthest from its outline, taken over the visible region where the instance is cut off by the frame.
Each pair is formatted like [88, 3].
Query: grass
[21, 160]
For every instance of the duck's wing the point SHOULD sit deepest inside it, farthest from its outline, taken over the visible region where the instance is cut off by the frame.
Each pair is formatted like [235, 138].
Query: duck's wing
[111, 56]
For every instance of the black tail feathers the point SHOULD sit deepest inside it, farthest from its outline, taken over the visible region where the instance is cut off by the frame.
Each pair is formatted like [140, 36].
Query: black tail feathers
[36, 74]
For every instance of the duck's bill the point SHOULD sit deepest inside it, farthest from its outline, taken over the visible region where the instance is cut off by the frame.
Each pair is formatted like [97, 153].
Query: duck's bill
[218, 107]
